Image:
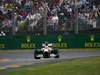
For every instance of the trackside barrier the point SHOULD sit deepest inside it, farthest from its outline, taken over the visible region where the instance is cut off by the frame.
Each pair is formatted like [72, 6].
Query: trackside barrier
[58, 41]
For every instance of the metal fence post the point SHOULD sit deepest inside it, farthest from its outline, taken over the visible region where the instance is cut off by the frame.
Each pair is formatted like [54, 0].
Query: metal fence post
[45, 19]
[76, 23]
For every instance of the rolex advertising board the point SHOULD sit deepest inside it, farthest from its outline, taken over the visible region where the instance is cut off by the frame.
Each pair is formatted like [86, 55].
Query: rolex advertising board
[58, 41]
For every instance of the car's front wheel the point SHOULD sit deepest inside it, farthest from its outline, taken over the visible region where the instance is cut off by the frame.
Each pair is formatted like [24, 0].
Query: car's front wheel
[36, 55]
[57, 56]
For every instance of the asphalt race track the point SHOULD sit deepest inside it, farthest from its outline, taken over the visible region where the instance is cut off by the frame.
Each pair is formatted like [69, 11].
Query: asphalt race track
[20, 58]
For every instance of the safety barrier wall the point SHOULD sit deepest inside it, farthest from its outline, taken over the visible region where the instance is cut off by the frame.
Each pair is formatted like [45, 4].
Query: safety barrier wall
[58, 41]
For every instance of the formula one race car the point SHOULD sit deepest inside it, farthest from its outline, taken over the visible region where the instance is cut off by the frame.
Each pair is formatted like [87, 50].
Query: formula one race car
[46, 52]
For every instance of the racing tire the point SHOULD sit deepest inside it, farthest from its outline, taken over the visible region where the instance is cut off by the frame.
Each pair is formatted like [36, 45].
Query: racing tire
[56, 52]
[35, 55]
[57, 56]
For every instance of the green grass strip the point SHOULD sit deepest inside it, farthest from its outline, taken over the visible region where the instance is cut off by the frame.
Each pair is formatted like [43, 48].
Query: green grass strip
[85, 66]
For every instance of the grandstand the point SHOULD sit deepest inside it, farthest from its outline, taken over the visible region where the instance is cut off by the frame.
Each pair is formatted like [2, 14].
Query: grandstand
[49, 16]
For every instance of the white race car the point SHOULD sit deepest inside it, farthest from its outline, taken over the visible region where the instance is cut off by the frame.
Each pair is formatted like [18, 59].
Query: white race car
[46, 52]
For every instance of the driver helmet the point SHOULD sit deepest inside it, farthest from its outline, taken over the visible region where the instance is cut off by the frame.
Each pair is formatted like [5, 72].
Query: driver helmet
[46, 43]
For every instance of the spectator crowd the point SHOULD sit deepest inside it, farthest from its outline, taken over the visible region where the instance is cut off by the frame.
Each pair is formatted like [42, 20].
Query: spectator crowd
[31, 16]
